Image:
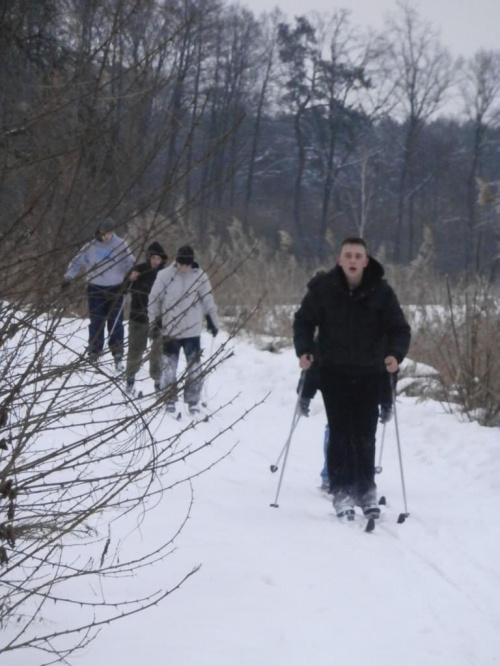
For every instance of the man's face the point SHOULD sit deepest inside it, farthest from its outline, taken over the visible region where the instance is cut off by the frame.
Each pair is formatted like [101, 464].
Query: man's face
[107, 236]
[353, 259]
[183, 268]
[155, 260]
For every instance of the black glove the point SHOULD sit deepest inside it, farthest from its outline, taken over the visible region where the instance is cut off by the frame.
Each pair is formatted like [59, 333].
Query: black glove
[65, 285]
[385, 413]
[304, 404]
[211, 327]
[155, 330]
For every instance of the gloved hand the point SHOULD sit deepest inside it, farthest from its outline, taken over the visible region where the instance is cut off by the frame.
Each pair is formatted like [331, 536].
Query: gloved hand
[154, 331]
[65, 285]
[304, 404]
[385, 413]
[211, 327]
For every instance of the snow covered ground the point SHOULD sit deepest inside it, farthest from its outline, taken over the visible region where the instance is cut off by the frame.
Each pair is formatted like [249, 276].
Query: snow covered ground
[291, 586]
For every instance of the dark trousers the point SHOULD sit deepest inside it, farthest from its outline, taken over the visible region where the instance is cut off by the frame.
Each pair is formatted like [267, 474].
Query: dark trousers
[194, 378]
[351, 404]
[105, 309]
[137, 344]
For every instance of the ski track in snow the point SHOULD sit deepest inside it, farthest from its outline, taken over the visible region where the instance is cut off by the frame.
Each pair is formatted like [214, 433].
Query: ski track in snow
[293, 586]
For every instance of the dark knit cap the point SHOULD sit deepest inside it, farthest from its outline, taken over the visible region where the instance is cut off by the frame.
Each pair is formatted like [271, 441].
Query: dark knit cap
[185, 255]
[156, 248]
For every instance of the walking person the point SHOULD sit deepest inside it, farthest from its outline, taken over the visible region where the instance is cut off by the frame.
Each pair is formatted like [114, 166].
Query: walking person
[141, 279]
[105, 261]
[362, 334]
[181, 297]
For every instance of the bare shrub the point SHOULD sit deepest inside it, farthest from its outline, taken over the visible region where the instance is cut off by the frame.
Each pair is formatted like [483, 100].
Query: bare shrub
[460, 339]
[262, 286]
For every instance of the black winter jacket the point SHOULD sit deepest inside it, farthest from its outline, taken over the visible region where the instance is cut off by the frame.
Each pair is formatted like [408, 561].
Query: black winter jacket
[356, 329]
[141, 286]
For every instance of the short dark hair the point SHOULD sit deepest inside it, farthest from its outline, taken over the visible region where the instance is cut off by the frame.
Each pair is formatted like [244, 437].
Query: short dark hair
[354, 240]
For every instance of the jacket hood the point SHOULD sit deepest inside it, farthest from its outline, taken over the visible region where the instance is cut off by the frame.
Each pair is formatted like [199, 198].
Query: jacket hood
[156, 248]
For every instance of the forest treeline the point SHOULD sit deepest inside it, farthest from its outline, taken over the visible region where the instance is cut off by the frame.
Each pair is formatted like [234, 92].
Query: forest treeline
[302, 129]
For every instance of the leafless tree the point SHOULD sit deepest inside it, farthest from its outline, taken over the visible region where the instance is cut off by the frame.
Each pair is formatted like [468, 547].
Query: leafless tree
[85, 89]
[480, 88]
[422, 72]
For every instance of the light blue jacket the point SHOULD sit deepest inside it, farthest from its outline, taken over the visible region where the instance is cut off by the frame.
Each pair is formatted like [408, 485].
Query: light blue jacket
[181, 300]
[105, 263]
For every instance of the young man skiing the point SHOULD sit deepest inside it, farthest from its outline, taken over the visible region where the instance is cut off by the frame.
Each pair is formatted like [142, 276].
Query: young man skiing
[180, 297]
[362, 333]
[141, 280]
[106, 261]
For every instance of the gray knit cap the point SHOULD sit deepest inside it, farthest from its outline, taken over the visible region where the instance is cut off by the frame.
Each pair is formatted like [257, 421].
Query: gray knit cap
[107, 225]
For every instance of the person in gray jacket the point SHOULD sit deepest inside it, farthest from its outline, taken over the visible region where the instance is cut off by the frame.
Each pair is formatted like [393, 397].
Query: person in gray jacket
[180, 298]
[105, 261]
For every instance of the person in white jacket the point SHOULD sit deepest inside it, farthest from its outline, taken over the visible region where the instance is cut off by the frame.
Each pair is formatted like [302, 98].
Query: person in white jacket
[105, 262]
[181, 297]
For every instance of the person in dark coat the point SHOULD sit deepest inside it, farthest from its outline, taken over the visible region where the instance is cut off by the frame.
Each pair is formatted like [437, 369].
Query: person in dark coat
[361, 334]
[141, 280]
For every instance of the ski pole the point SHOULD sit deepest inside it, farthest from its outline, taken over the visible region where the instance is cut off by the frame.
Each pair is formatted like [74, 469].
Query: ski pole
[296, 416]
[116, 318]
[204, 389]
[402, 516]
[286, 447]
[275, 467]
[379, 468]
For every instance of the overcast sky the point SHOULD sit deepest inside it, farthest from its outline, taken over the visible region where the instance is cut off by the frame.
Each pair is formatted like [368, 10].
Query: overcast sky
[465, 25]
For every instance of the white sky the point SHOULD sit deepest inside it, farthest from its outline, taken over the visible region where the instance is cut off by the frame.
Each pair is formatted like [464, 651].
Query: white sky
[465, 25]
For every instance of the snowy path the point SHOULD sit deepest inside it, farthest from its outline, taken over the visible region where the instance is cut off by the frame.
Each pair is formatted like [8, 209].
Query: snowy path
[292, 586]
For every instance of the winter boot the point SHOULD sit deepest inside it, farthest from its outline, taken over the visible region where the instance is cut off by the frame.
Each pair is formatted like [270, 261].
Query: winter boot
[371, 511]
[130, 385]
[118, 359]
[170, 407]
[348, 513]
[343, 505]
[193, 409]
[93, 356]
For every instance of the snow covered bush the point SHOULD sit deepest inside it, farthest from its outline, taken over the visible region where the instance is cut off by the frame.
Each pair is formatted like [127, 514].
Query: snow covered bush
[80, 466]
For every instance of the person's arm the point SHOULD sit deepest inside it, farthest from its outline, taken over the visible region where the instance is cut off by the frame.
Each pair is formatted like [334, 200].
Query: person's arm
[132, 276]
[305, 321]
[129, 258]
[208, 301]
[79, 262]
[155, 300]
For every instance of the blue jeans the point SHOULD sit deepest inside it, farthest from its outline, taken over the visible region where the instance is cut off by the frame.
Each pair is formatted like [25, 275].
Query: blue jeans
[105, 309]
[193, 379]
